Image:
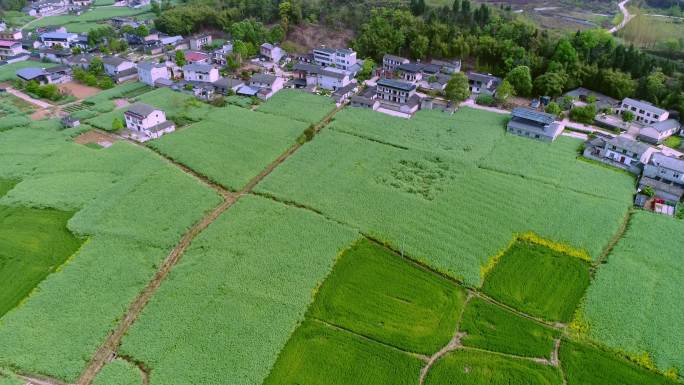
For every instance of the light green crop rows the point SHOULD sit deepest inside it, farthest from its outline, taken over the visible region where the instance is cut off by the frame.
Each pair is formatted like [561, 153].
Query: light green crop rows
[635, 303]
[445, 212]
[132, 215]
[119, 372]
[298, 105]
[240, 290]
[231, 145]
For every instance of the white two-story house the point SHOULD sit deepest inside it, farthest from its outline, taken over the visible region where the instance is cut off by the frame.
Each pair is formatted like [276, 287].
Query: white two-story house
[120, 70]
[271, 52]
[146, 122]
[344, 58]
[665, 175]
[644, 112]
[10, 49]
[198, 42]
[200, 73]
[149, 72]
[621, 151]
[62, 39]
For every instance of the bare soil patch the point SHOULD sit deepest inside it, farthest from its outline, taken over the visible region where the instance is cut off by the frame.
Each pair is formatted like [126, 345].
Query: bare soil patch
[120, 103]
[309, 36]
[96, 137]
[79, 91]
[41, 114]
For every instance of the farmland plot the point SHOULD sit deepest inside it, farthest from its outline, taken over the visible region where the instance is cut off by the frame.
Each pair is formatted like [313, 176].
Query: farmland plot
[231, 145]
[635, 304]
[377, 294]
[119, 372]
[33, 244]
[442, 211]
[488, 326]
[583, 364]
[298, 105]
[466, 367]
[130, 226]
[538, 281]
[318, 354]
[232, 302]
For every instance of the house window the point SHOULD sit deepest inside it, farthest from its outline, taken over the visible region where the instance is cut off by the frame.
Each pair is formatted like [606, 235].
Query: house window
[675, 175]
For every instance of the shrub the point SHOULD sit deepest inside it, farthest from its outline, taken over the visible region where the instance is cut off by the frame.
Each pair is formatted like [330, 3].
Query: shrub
[584, 114]
[485, 100]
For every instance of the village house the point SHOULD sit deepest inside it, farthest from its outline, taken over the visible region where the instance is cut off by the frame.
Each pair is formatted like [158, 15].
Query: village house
[368, 98]
[53, 55]
[656, 133]
[81, 60]
[331, 78]
[119, 69]
[149, 72]
[11, 34]
[621, 151]
[665, 175]
[52, 75]
[397, 95]
[198, 42]
[10, 49]
[170, 40]
[137, 3]
[344, 58]
[644, 112]
[271, 52]
[436, 82]
[218, 56]
[391, 62]
[200, 90]
[305, 74]
[146, 122]
[60, 39]
[448, 67]
[582, 96]
[410, 72]
[446, 106]
[483, 83]
[262, 86]
[344, 94]
[534, 124]
[200, 73]
[226, 86]
[46, 8]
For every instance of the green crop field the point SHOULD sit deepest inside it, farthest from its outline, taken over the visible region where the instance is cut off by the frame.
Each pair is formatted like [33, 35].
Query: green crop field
[231, 145]
[377, 294]
[237, 295]
[538, 281]
[298, 105]
[586, 365]
[10, 104]
[439, 210]
[320, 355]
[119, 372]
[93, 15]
[6, 185]
[131, 214]
[466, 367]
[174, 104]
[635, 302]
[9, 71]
[33, 244]
[9, 378]
[493, 328]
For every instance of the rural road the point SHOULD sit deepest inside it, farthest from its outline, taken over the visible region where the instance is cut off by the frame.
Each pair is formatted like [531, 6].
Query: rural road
[627, 16]
[27, 98]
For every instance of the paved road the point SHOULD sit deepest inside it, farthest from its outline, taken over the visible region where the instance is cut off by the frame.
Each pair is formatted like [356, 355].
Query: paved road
[27, 98]
[626, 16]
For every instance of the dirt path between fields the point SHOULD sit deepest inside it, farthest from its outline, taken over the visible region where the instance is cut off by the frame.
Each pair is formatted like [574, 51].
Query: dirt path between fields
[39, 380]
[108, 349]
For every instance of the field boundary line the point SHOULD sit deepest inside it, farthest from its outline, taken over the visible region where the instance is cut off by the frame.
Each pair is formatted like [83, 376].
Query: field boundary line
[109, 347]
[603, 257]
[421, 357]
[360, 136]
[37, 379]
[454, 344]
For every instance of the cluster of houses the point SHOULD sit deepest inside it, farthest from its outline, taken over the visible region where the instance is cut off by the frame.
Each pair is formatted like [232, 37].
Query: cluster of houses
[42, 8]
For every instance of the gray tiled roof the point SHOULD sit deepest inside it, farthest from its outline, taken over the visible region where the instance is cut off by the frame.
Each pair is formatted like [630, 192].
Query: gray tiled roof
[393, 57]
[197, 67]
[666, 125]
[147, 65]
[662, 160]
[113, 60]
[263, 78]
[404, 86]
[628, 144]
[410, 67]
[141, 109]
[644, 105]
[533, 115]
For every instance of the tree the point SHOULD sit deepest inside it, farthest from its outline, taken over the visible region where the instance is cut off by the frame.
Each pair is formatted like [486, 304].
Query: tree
[117, 124]
[105, 83]
[653, 87]
[284, 10]
[550, 83]
[553, 108]
[457, 89]
[141, 31]
[584, 114]
[627, 116]
[96, 67]
[521, 80]
[614, 83]
[366, 70]
[503, 92]
[276, 35]
[180, 58]
[420, 46]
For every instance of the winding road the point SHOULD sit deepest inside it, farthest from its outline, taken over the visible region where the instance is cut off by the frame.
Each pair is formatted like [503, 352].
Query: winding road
[626, 16]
